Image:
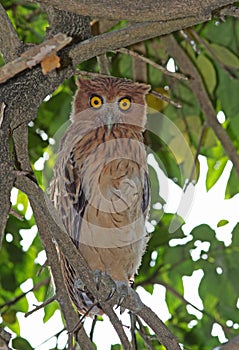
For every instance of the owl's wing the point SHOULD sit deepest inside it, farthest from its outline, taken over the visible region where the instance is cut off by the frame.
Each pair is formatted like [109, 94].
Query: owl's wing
[68, 197]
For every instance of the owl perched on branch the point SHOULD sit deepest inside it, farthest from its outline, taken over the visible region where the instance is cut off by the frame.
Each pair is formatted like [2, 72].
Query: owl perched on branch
[100, 185]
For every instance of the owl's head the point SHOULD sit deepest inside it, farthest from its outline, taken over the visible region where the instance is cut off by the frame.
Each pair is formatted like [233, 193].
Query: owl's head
[109, 101]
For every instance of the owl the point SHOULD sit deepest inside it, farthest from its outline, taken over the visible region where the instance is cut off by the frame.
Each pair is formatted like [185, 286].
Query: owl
[100, 185]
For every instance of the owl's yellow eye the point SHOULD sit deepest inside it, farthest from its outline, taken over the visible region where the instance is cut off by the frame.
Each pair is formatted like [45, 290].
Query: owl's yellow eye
[124, 104]
[96, 101]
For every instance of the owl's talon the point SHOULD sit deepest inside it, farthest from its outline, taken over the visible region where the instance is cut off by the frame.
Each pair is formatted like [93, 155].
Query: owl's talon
[97, 275]
[123, 290]
[109, 284]
[78, 284]
[122, 310]
[112, 292]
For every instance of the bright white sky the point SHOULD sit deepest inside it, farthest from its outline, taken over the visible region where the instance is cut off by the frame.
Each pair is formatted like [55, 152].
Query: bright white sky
[206, 207]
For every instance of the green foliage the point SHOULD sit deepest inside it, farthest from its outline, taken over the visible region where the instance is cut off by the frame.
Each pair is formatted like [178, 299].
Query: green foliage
[21, 344]
[29, 21]
[169, 256]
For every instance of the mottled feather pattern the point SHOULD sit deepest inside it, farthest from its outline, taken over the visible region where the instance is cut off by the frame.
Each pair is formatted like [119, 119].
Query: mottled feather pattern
[100, 185]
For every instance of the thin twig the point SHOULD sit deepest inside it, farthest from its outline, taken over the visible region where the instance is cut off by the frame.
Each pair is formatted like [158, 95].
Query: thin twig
[186, 302]
[93, 328]
[229, 11]
[152, 63]
[132, 330]
[211, 52]
[3, 106]
[103, 63]
[117, 326]
[51, 337]
[199, 90]
[79, 324]
[19, 297]
[146, 337]
[16, 214]
[38, 307]
[165, 98]
[42, 268]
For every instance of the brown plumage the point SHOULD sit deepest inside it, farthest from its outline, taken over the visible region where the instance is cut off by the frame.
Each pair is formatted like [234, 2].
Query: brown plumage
[100, 184]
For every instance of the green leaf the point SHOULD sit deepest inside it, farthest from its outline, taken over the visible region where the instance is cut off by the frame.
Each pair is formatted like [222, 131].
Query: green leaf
[208, 72]
[222, 223]
[50, 310]
[227, 93]
[21, 344]
[116, 347]
[224, 55]
[1, 61]
[215, 170]
[9, 316]
[232, 185]
[10, 319]
[203, 233]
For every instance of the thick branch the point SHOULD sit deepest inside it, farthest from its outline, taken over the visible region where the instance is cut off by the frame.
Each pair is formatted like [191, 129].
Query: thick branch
[140, 10]
[15, 91]
[7, 175]
[132, 34]
[199, 90]
[9, 41]
[162, 332]
[41, 86]
[20, 148]
[47, 225]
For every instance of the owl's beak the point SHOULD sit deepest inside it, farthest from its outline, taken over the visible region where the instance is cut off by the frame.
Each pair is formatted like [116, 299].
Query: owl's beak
[109, 121]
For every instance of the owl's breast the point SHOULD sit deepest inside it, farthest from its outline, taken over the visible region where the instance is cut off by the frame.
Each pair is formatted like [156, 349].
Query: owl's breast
[112, 176]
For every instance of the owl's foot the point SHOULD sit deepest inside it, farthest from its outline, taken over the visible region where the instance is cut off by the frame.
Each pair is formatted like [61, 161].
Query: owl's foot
[102, 278]
[123, 289]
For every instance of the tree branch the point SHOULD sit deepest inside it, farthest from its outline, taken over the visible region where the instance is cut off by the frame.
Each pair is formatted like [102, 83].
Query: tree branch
[39, 307]
[33, 56]
[19, 297]
[199, 90]
[41, 86]
[161, 331]
[7, 175]
[129, 35]
[230, 11]
[140, 11]
[117, 326]
[153, 64]
[5, 338]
